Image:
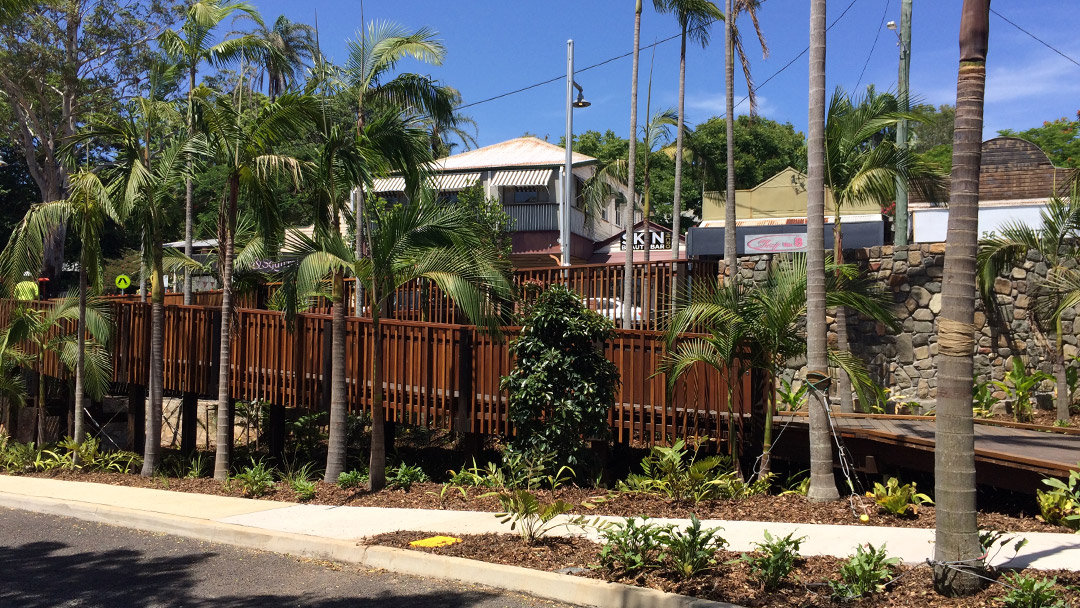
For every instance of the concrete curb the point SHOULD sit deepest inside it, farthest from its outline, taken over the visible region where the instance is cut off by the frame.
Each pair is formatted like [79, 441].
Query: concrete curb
[546, 585]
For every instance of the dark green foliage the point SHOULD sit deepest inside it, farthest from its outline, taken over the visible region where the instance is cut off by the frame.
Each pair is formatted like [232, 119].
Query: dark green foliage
[403, 476]
[254, 480]
[531, 518]
[680, 475]
[351, 479]
[632, 546]
[1030, 592]
[692, 551]
[491, 219]
[562, 386]
[1060, 139]
[864, 573]
[1061, 505]
[774, 560]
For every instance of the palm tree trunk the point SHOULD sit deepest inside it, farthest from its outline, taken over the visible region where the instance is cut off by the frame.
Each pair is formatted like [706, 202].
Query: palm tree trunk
[767, 438]
[189, 192]
[631, 167]
[80, 358]
[646, 283]
[843, 382]
[676, 200]
[731, 257]
[822, 481]
[223, 452]
[152, 445]
[957, 533]
[41, 396]
[339, 406]
[377, 463]
[358, 213]
[1064, 397]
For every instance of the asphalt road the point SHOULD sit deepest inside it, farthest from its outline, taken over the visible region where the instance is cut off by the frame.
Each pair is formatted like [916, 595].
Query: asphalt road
[49, 561]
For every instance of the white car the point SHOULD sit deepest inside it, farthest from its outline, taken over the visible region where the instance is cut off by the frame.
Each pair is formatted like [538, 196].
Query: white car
[612, 308]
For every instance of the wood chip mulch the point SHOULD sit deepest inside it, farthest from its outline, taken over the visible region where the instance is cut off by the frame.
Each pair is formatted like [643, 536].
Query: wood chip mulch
[787, 508]
[727, 582]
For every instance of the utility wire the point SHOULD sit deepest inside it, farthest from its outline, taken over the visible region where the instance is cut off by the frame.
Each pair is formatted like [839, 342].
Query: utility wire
[657, 43]
[872, 46]
[1040, 40]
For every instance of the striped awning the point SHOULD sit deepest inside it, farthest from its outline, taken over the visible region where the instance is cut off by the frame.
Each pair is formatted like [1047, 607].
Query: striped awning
[529, 177]
[446, 182]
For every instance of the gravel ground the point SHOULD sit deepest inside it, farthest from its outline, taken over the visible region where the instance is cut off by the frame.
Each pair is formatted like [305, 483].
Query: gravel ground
[50, 561]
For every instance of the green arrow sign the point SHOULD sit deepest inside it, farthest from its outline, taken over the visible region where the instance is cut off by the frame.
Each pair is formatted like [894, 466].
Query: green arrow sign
[123, 281]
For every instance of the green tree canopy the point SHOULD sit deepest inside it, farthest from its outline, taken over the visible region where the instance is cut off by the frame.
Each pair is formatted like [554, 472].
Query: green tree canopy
[1060, 139]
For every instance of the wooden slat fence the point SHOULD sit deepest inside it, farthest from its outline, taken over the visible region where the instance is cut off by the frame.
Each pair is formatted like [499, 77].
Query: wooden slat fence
[436, 374]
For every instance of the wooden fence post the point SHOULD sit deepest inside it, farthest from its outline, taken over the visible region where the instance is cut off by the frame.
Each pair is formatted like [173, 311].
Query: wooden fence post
[136, 418]
[189, 423]
[462, 423]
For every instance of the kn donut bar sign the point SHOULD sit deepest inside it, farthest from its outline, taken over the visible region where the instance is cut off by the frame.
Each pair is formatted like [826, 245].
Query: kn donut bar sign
[775, 243]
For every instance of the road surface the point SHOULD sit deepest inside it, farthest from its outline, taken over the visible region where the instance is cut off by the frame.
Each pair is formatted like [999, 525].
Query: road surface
[49, 561]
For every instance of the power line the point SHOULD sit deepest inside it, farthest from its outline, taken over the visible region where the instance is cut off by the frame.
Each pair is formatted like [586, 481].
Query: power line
[884, 14]
[1040, 40]
[658, 42]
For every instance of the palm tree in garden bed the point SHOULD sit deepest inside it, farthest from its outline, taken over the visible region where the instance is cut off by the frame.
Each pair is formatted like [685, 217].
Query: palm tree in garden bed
[423, 239]
[862, 166]
[761, 326]
[1056, 242]
[244, 144]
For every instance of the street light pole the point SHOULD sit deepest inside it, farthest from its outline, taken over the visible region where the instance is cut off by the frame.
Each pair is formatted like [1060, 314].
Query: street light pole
[900, 232]
[568, 170]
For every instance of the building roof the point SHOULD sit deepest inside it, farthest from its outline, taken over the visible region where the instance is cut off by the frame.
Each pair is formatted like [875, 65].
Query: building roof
[202, 244]
[518, 152]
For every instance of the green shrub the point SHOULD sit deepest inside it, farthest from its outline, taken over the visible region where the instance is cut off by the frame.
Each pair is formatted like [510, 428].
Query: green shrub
[774, 559]
[1030, 592]
[864, 573]
[630, 546]
[1021, 386]
[562, 385]
[300, 479]
[680, 475]
[349, 480]
[403, 476]
[892, 497]
[528, 516]
[1061, 505]
[691, 551]
[305, 489]
[254, 480]
[789, 398]
[28, 458]
[983, 399]
[520, 470]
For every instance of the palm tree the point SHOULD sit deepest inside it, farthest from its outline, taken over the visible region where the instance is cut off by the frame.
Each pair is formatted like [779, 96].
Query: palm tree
[655, 135]
[244, 142]
[282, 51]
[695, 17]
[631, 167]
[46, 331]
[822, 480]
[761, 326]
[12, 385]
[956, 540]
[366, 79]
[1056, 242]
[734, 44]
[419, 240]
[861, 166]
[88, 206]
[192, 45]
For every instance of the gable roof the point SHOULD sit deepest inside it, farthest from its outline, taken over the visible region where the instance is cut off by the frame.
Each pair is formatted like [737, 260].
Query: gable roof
[518, 152]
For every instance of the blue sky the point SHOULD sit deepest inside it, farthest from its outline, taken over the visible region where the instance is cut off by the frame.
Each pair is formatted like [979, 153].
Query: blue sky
[495, 46]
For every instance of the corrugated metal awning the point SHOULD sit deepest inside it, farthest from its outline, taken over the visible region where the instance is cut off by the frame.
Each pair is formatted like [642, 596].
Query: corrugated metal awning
[530, 177]
[389, 184]
[791, 221]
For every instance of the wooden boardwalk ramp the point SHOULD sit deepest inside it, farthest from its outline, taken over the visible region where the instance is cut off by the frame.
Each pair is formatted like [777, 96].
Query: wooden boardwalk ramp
[1007, 455]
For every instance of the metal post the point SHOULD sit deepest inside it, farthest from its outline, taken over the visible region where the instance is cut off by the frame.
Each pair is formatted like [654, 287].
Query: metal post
[568, 170]
[900, 232]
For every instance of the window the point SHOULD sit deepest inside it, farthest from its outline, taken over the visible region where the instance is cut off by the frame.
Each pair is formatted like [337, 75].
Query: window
[530, 195]
[619, 214]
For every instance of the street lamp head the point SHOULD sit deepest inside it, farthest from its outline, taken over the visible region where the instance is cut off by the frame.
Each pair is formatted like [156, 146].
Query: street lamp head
[581, 102]
[891, 25]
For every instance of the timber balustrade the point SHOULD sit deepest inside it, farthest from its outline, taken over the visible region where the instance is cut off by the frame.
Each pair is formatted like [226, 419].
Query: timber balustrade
[436, 374]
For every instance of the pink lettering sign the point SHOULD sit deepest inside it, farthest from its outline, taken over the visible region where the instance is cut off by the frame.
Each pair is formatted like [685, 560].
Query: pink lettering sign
[775, 243]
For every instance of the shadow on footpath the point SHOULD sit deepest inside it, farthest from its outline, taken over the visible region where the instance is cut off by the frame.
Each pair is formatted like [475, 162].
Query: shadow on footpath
[48, 574]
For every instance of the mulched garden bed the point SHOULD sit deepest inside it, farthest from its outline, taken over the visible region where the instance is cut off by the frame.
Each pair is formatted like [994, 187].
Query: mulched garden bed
[786, 508]
[1041, 417]
[728, 582]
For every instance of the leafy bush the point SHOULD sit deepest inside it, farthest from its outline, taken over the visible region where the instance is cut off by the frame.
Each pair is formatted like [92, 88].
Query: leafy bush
[305, 489]
[1030, 592]
[254, 480]
[898, 499]
[90, 457]
[1021, 386]
[983, 399]
[403, 476]
[789, 398]
[27, 458]
[989, 538]
[680, 475]
[864, 573]
[526, 514]
[349, 480]
[774, 560]
[530, 470]
[630, 546]
[562, 386]
[692, 550]
[301, 480]
[1061, 505]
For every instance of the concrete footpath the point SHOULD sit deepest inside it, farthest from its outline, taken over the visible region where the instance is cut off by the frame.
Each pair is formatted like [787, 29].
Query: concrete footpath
[185, 514]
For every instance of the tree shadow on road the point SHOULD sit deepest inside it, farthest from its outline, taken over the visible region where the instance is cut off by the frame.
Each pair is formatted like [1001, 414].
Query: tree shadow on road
[49, 573]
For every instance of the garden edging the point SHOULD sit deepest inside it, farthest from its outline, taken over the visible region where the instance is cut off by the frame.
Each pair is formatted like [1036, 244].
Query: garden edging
[546, 585]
